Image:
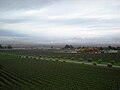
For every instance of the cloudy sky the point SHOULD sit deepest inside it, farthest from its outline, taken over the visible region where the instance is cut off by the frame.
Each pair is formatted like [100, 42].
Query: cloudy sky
[60, 21]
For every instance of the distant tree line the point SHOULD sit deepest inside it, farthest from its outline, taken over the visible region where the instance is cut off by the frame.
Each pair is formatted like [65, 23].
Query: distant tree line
[99, 48]
[102, 48]
[68, 47]
[109, 48]
[5, 46]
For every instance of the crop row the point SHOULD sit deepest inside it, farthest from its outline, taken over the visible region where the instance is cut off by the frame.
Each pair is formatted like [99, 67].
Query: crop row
[22, 73]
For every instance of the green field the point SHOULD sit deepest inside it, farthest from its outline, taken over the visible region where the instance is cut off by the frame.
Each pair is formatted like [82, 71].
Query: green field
[31, 74]
[56, 55]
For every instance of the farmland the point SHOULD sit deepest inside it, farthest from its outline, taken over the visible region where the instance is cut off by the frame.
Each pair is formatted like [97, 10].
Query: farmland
[40, 74]
[102, 58]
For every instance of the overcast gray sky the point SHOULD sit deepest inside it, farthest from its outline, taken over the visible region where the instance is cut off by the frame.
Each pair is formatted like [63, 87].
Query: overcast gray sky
[60, 21]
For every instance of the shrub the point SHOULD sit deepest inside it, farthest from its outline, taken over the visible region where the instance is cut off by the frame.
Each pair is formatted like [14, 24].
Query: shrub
[81, 59]
[40, 56]
[109, 65]
[27, 56]
[64, 61]
[20, 56]
[65, 57]
[89, 59]
[94, 63]
[50, 59]
[37, 57]
[83, 63]
[100, 60]
[33, 57]
[72, 58]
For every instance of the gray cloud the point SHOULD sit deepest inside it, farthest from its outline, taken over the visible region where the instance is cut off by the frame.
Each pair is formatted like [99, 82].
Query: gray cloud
[58, 21]
[9, 21]
[23, 4]
[87, 21]
[9, 33]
